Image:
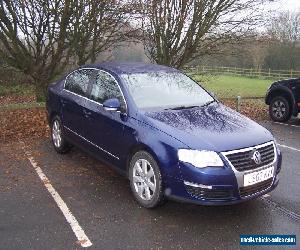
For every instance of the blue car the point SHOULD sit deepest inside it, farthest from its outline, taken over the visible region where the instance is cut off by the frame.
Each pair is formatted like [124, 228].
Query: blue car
[164, 132]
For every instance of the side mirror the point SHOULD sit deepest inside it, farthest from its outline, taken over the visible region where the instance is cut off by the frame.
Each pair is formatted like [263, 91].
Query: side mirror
[112, 104]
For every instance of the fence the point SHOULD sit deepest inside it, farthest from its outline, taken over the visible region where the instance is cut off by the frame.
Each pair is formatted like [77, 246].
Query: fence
[250, 72]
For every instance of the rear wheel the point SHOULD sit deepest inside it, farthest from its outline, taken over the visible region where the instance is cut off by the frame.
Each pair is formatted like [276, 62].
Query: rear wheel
[145, 180]
[59, 142]
[279, 109]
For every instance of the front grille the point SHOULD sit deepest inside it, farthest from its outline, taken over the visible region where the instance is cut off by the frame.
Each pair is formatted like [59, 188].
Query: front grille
[259, 187]
[242, 160]
[209, 194]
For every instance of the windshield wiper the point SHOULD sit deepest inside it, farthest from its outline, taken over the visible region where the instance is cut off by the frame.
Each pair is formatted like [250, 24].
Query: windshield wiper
[189, 107]
[182, 107]
[206, 104]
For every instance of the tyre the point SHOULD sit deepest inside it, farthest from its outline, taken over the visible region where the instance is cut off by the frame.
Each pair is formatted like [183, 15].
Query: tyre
[59, 142]
[145, 180]
[280, 109]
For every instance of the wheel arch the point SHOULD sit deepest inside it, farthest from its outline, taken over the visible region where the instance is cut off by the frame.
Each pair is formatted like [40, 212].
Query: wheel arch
[280, 91]
[137, 148]
[283, 92]
[52, 115]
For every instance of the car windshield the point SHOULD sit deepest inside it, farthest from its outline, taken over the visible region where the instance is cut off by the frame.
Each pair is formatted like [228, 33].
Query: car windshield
[167, 90]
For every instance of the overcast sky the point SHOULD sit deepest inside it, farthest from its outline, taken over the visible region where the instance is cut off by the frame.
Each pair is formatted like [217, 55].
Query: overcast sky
[292, 5]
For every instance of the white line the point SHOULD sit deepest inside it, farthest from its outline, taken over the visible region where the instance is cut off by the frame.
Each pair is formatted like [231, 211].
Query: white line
[285, 124]
[81, 236]
[284, 146]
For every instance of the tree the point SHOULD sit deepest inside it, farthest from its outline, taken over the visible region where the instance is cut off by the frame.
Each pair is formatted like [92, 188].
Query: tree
[98, 25]
[256, 50]
[33, 37]
[285, 27]
[284, 49]
[179, 31]
[41, 37]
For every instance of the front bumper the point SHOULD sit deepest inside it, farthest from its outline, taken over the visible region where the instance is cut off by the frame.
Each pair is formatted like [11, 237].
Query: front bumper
[218, 186]
[220, 202]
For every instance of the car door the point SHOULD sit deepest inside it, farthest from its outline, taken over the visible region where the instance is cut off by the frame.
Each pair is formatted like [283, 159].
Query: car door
[297, 93]
[74, 99]
[105, 129]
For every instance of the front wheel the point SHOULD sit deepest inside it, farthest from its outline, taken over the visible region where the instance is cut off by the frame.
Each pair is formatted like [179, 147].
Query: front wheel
[145, 180]
[279, 109]
[59, 142]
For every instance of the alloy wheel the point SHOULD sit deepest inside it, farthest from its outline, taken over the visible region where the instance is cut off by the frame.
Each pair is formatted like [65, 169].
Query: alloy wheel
[56, 134]
[144, 180]
[279, 109]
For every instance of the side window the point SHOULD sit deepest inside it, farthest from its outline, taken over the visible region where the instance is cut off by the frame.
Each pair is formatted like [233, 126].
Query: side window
[78, 81]
[106, 87]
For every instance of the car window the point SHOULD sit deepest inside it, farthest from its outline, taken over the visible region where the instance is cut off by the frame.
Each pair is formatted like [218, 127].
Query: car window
[165, 90]
[78, 81]
[106, 87]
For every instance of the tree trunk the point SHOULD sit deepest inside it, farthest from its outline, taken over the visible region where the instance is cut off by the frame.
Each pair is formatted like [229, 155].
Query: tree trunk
[40, 90]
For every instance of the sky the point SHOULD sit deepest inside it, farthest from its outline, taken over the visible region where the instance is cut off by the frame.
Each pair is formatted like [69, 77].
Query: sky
[292, 5]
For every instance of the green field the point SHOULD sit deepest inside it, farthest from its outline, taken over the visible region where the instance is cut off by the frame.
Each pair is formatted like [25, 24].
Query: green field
[222, 85]
[231, 86]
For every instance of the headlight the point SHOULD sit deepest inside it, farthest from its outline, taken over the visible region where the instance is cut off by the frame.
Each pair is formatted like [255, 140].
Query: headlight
[200, 159]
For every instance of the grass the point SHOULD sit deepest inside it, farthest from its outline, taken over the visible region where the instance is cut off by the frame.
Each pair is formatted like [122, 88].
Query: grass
[21, 89]
[223, 86]
[231, 86]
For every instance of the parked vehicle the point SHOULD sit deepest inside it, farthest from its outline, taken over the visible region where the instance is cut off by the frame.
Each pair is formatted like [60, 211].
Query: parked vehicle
[164, 132]
[283, 98]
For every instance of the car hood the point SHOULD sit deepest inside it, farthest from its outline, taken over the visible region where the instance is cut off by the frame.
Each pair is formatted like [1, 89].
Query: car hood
[213, 127]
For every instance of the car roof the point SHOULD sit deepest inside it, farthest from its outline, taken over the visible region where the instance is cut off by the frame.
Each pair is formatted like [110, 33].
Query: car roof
[130, 67]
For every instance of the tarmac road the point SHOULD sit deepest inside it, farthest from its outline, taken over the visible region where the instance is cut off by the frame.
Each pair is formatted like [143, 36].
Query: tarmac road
[101, 202]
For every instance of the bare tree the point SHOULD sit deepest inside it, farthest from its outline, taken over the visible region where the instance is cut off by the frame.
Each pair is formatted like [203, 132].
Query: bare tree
[284, 32]
[41, 37]
[285, 27]
[179, 31]
[33, 35]
[99, 25]
[256, 49]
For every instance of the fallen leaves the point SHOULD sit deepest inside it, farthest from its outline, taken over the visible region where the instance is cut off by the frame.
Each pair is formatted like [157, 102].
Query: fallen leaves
[32, 122]
[23, 123]
[5, 100]
[254, 109]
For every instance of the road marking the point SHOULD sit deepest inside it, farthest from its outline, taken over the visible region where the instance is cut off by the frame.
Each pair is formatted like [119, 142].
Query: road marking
[284, 146]
[285, 124]
[83, 240]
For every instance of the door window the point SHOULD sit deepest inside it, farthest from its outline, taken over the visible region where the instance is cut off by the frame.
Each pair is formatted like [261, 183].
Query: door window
[78, 81]
[105, 87]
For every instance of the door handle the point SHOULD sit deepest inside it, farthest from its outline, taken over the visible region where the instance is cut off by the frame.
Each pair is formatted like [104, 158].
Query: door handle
[63, 102]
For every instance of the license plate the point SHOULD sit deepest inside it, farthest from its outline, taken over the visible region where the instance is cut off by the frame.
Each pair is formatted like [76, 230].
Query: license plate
[259, 176]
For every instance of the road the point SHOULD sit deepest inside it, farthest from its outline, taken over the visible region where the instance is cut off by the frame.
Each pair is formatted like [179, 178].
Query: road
[101, 203]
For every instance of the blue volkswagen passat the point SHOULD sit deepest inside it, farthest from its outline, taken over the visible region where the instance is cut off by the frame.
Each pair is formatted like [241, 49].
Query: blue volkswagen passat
[163, 131]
